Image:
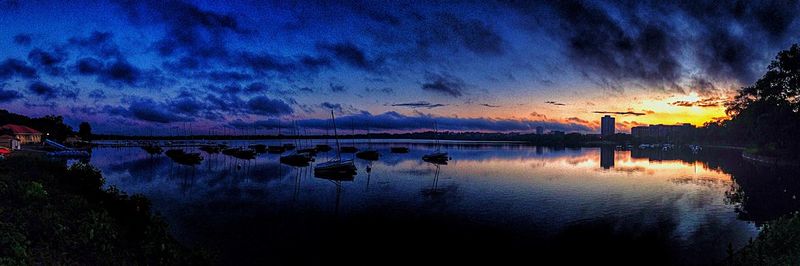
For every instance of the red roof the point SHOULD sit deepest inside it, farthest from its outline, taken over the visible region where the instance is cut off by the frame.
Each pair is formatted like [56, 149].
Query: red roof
[6, 136]
[17, 129]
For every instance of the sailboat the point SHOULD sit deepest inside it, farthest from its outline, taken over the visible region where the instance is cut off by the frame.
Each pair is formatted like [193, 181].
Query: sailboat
[325, 147]
[336, 167]
[182, 157]
[290, 146]
[351, 149]
[277, 148]
[369, 154]
[438, 156]
[300, 157]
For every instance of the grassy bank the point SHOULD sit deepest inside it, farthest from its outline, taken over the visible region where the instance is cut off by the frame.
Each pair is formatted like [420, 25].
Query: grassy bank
[54, 215]
[777, 244]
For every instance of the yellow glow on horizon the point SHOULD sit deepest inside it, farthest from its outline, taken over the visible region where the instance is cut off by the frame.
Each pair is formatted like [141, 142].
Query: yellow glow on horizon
[667, 113]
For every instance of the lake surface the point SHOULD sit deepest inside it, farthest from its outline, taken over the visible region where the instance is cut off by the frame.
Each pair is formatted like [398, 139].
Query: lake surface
[492, 202]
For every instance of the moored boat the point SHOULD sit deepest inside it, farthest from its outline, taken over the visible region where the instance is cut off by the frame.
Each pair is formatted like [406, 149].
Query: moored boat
[349, 149]
[336, 167]
[399, 150]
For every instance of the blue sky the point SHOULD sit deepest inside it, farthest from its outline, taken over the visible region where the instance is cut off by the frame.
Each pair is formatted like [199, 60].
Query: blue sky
[139, 66]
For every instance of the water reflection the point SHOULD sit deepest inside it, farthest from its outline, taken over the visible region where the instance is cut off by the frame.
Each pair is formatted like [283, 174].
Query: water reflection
[667, 205]
[606, 157]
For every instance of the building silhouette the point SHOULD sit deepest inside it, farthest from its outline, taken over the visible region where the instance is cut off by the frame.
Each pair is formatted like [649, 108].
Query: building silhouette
[607, 126]
[663, 133]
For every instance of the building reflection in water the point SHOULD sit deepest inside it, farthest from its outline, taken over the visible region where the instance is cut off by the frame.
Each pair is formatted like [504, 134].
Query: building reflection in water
[607, 157]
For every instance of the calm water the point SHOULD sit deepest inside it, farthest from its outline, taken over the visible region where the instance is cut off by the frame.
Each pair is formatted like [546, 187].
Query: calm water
[490, 202]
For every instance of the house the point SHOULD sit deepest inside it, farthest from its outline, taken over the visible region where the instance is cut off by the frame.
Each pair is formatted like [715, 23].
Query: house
[24, 134]
[8, 141]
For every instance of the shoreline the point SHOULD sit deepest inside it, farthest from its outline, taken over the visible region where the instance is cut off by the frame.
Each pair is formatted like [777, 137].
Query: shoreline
[767, 160]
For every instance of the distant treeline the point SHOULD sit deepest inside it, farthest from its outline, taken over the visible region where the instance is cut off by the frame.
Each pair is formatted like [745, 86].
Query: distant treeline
[545, 139]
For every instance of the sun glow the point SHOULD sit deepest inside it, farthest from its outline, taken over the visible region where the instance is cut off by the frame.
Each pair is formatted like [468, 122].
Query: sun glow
[665, 111]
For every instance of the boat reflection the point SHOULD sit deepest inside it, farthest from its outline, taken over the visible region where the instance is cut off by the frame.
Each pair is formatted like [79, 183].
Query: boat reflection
[434, 190]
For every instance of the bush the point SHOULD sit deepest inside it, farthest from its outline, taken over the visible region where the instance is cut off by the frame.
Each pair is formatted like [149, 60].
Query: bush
[51, 214]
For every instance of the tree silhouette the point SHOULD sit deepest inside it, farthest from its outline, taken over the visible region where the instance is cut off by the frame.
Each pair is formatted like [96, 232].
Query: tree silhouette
[85, 131]
[767, 113]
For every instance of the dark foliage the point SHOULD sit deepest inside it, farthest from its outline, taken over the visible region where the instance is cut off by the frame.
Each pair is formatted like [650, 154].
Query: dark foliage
[52, 125]
[766, 115]
[85, 131]
[58, 215]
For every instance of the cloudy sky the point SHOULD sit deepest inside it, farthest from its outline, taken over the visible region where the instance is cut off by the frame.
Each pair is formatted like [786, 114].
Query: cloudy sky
[140, 66]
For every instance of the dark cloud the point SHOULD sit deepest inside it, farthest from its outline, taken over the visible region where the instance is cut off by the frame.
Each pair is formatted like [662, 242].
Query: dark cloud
[186, 106]
[332, 106]
[151, 111]
[224, 76]
[263, 105]
[555, 103]
[351, 55]
[97, 94]
[395, 121]
[23, 39]
[655, 43]
[190, 30]
[702, 86]
[88, 66]
[705, 102]
[99, 43]
[376, 13]
[16, 68]
[49, 92]
[263, 63]
[420, 104]
[120, 71]
[489, 105]
[197, 39]
[386, 90]
[49, 61]
[472, 34]
[257, 87]
[598, 42]
[620, 113]
[336, 88]
[43, 90]
[315, 63]
[444, 84]
[71, 93]
[8, 95]
[578, 120]
[538, 115]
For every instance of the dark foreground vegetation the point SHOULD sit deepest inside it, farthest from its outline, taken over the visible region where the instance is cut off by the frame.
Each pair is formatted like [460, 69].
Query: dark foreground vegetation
[54, 215]
[777, 244]
[765, 116]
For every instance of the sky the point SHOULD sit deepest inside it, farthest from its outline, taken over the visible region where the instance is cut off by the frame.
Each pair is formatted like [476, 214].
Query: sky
[150, 67]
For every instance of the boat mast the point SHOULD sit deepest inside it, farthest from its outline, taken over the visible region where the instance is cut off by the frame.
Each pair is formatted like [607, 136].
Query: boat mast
[338, 152]
[436, 135]
[353, 136]
[369, 138]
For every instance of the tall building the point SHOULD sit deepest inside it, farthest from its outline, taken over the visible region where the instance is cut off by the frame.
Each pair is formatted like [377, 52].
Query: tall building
[607, 125]
[539, 130]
